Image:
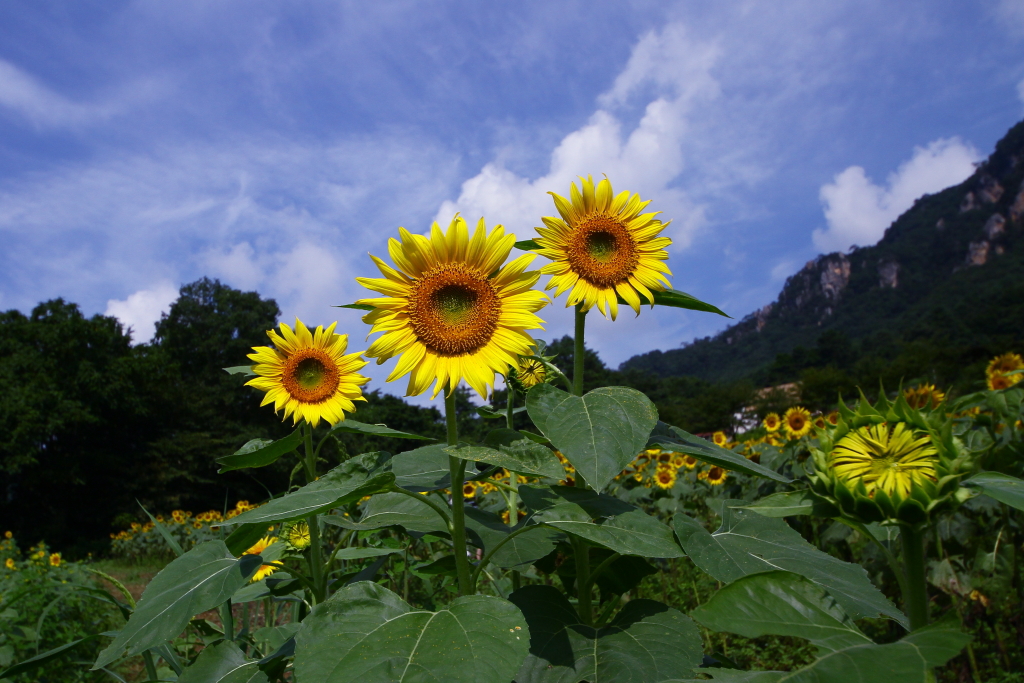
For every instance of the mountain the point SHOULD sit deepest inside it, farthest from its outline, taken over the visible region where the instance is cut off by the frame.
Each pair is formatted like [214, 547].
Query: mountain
[940, 293]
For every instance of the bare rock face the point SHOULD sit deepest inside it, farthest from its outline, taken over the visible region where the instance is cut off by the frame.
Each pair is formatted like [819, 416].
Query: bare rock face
[888, 273]
[835, 275]
[967, 203]
[989, 190]
[761, 316]
[1017, 209]
[995, 226]
[977, 253]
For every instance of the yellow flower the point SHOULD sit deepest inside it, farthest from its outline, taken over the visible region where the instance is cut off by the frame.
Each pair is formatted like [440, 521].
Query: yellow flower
[679, 460]
[9, 563]
[719, 438]
[267, 569]
[469, 489]
[833, 418]
[602, 247]
[54, 559]
[797, 422]
[716, 476]
[665, 477]
[449, 311]
[8, 534]
[999, 368]
[887, 457]
[307, 374]
[819, 422]
[924, 397]
[689, 462]
[298, 535]
[530, 372]
[771, 422]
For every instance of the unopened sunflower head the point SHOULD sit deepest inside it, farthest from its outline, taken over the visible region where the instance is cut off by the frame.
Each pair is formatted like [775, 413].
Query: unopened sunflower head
[298, 535]
[603, 248]
[450, 310]
[890, 457]
[307, 374]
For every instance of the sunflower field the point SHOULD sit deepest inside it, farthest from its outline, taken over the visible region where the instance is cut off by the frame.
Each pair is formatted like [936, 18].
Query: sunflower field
[581, 538]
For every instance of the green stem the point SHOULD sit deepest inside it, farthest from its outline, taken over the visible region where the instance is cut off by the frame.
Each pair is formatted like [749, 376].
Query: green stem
[457, 467]
[579, 351]
[583, 583]
[147, 657]
[316, 560]
[228, 618]
[897, 570]
[915, 598]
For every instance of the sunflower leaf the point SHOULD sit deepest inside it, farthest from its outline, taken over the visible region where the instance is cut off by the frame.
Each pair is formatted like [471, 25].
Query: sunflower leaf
[240, 370]
[223, 663]
[354, 427]
[669, 438]
[527, 245]
[357, 307]
[676, 299]
[365, 633]
[1002, 487]
[259, 453]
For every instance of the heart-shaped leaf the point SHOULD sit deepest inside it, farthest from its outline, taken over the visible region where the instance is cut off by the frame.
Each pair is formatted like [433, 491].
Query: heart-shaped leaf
[486, 530]
[222, 663]
[782, 604]
[361, 476]
[393, 509]
[259, 452]
[647, 642]
[422, 469]
[669, 438]
[199, 580]
[599, 433]
[748, 543]
[510, 450]
[364, 633]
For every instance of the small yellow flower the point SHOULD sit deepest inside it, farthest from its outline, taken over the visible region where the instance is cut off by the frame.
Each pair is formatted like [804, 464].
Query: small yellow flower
[924, 397]
[797, 422]
[689, 462]
[716, 476]
[10, 564]
[719, 438]
[8, 534]
[469, 489]
[665, 477]
[771, 422]
[54, 559]
[530, 372]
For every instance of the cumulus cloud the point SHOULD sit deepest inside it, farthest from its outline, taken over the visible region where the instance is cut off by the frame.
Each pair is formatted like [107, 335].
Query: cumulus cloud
[858, 210]
[646, 158]
[141, 311]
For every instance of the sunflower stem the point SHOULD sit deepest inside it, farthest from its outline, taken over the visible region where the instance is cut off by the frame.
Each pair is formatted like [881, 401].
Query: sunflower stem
[915, 599]
[457, 467]
[513, 497]
[147, 657]
[578, 351]
[316, 560]
[583, 583]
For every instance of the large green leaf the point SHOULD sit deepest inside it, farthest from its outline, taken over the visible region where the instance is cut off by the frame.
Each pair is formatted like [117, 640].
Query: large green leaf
[393, 509]
[669, 438]
[361, 476]
[790, 503]
[512, 451]
[365, 633]
[596, 504]
[259, 452]
[422, 469]
[647, 642]
[783, 604]
[354, 427]
[223, 663]
[487, 530]
[599, 433]
[748, 543]
[199, 580]
[1002, 487]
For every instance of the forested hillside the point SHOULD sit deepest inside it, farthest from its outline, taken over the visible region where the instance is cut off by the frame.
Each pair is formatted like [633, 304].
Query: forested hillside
[941, 293]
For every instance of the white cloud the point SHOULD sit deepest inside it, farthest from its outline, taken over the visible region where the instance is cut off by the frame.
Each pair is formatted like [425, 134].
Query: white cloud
[141, 311]
[858, 211]
[646, 159]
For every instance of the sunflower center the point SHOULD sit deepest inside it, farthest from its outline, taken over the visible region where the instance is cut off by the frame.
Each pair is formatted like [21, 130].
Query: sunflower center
[602, 251]
[310, 376]
[454, 310]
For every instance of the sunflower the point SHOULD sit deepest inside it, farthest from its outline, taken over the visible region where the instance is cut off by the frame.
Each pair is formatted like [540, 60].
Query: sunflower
[265, 570]
[298, 535]
[819, 422]
[54, 559]
[689, 462]
[530, 372]
[771, 422]
[719, 438]
[679, 460]
[716, 476]
[469, 489]
[924, 397]
[307, 374]
[604, 248]
[833, 418]
[449, 311]
[797, 422]
[665, 478]
[9, 563]
[889, 457]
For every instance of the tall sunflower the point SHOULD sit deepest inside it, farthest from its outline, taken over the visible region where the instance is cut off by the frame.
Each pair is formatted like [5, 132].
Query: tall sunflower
[307, 374]
[603, 247]
[449, 311]
[797, 422]
[885, 456]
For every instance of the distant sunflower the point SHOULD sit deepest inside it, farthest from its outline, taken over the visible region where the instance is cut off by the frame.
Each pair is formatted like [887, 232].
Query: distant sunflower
[885, 456]
[469, 489]
[689, 462]
[833, 418]
[797, 422]
[819, 422]
[719, 438]
[603, 247]
[679, 460]
[924, 397]
[267, 569]
[716, 476]
[665, 477]
[54, 559]
[450, 310]
[307, 374]
[771, 422]
[9, 563]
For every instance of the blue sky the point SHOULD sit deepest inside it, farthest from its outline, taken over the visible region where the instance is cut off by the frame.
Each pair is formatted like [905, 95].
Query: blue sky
[272, 145]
